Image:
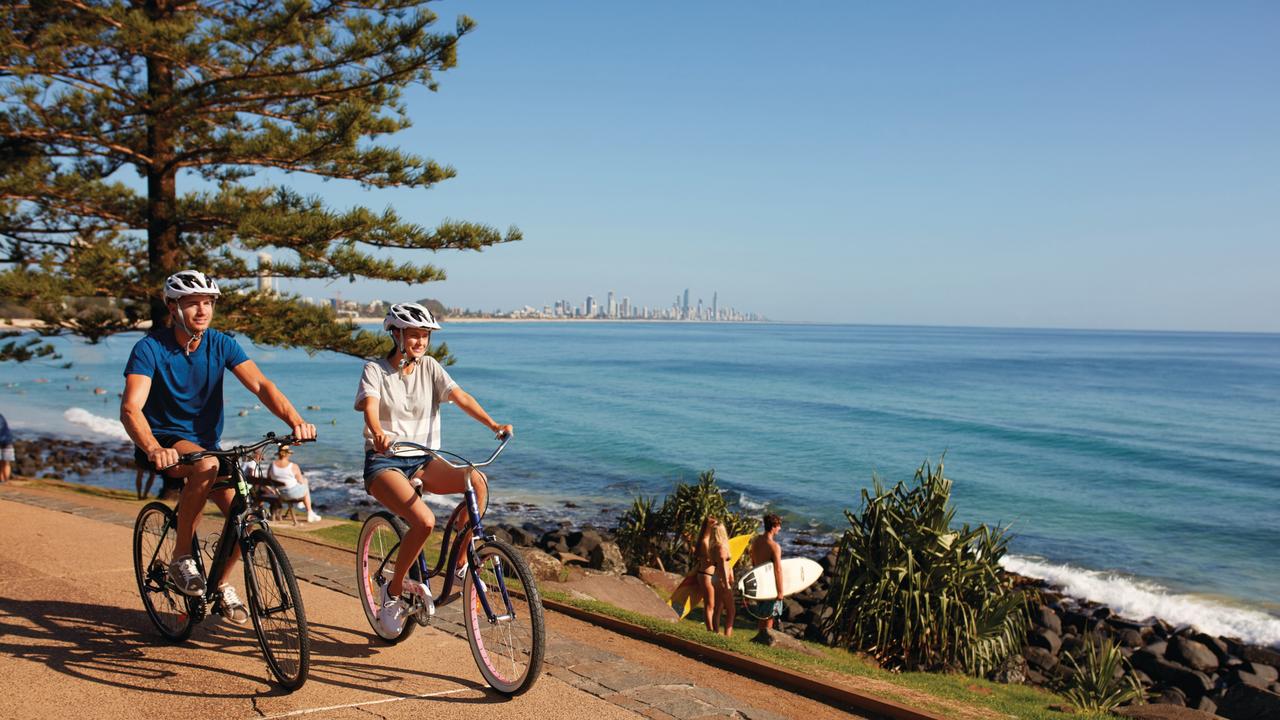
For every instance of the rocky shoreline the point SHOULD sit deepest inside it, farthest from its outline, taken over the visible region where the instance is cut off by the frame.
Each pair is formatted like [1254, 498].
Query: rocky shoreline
[1179, 665]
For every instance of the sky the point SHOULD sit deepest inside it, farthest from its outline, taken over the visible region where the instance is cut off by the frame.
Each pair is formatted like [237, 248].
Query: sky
[1071, 164]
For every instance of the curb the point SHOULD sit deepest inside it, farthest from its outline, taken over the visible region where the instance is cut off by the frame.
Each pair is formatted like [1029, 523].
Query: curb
[751, 667]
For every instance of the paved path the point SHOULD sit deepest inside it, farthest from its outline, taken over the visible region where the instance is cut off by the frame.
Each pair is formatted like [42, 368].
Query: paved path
[74, 637]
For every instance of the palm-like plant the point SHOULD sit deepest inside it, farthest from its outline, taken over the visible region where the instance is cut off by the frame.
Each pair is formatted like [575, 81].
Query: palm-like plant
[669, 536]
[1102, 679]
[918, 594]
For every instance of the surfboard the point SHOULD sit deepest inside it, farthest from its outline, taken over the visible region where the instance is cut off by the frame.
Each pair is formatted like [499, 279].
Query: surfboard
[686, 596]
[797, 574]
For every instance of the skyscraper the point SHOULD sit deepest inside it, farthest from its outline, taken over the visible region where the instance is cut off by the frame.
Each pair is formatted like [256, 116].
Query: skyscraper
[611, 309]
[684, 307]
[715, 306]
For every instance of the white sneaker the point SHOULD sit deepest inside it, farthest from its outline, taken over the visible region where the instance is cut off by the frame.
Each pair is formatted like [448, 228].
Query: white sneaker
[230, 606]
[422, 594]
[391, 613]
[312, 517]
[186, 577]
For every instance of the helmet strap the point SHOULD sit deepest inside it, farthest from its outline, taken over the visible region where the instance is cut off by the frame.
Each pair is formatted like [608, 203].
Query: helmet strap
[193, 338]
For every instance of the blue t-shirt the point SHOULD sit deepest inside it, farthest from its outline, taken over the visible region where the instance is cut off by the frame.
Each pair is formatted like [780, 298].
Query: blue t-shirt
[186, 391]
[6, 437]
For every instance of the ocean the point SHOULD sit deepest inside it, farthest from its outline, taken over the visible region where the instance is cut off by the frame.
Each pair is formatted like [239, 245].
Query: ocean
[1138, 469]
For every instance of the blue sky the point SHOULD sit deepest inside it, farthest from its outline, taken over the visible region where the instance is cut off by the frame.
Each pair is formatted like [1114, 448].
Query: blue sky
[1083, 164]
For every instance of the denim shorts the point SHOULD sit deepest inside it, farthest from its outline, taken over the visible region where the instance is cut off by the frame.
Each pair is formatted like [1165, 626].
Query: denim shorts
[375, 463]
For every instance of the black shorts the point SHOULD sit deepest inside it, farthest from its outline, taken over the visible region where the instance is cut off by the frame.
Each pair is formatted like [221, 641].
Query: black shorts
[144, 462]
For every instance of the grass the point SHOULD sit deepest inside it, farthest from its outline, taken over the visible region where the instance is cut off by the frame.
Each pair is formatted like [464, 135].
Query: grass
[1009, 700]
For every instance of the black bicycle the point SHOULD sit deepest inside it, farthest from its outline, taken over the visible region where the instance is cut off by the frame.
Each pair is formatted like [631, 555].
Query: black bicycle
[501, 607]
[272, 590]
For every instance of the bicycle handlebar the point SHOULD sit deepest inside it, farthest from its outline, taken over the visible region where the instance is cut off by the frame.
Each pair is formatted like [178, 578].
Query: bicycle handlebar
[240, 450]
[439, 454]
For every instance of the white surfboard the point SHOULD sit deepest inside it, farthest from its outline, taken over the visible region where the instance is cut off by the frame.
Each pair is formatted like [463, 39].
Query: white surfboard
[797, 574]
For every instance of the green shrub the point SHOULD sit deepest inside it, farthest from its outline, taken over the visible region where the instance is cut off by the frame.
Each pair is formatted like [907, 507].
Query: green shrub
[668, 536]
[917, 594]
[1101, 680]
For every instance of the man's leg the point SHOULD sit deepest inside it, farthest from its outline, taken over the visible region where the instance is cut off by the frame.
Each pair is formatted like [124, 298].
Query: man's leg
[199, 479]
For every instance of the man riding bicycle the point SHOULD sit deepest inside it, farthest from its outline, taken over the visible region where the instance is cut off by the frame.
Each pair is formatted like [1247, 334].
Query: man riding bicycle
[172, 405]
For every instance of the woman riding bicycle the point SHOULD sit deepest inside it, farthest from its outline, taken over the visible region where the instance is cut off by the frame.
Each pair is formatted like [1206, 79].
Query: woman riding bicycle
[400, 396]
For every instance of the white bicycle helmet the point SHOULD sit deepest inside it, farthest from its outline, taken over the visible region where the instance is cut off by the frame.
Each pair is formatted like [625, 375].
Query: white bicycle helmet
[189, 282]
[409, 315]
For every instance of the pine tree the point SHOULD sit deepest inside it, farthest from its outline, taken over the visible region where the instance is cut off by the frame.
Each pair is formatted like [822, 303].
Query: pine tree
[141, 137]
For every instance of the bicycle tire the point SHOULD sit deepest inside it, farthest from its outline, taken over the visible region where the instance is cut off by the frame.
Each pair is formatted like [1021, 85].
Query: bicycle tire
[509, 652]
[380, 535]
[169, 610]
[279, 617]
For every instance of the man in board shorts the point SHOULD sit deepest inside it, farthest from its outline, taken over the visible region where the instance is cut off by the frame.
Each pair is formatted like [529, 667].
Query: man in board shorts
[172, 405]
[765, 549]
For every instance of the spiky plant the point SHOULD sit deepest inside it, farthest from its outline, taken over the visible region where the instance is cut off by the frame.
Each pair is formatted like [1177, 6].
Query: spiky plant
[638, 534]
[1101, 680]
[917, 593]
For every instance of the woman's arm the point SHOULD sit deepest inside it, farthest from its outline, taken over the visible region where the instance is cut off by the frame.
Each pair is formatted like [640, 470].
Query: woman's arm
[469, 405]
[369, 405]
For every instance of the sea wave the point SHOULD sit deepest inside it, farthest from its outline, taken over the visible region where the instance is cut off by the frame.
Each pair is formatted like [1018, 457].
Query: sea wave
[109, 427]
[1137, 599]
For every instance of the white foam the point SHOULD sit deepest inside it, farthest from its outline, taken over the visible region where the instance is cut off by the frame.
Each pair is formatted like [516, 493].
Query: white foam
[748, 504]
[1138, 599]
[99, 425]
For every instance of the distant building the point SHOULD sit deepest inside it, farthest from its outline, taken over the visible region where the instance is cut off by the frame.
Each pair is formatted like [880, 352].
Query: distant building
[265, 281]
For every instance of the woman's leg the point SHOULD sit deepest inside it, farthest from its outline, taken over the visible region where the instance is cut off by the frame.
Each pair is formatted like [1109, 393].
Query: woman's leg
[725, 591]
[392, 489]
[441, 479]
[708, 601]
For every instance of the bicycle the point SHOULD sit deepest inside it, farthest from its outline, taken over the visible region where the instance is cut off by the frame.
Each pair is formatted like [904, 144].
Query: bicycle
[502, 609]
[274, 603]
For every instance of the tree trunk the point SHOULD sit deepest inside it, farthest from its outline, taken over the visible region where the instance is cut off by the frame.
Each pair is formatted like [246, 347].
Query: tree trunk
[162, 188]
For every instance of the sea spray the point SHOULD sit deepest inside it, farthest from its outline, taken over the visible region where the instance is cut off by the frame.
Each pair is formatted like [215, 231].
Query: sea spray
[1138, 599]
[107, 427]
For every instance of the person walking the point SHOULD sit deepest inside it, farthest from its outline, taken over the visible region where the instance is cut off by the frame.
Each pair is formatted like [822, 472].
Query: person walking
[716, 576]
[765, 549]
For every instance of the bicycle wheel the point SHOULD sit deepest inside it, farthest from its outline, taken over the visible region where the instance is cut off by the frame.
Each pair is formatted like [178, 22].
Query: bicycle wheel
[155, 533]
[375, 564]
[509, 649]
[276, 607]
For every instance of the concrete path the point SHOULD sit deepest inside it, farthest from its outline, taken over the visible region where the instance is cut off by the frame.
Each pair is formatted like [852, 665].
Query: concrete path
[75, 640]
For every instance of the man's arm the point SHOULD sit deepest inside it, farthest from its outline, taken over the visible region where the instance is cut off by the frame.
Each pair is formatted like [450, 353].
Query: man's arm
[136, 390]
[776, 550]
[255, 382]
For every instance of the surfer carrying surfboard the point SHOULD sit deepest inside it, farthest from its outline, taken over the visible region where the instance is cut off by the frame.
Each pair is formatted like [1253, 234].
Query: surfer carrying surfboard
[765, 549]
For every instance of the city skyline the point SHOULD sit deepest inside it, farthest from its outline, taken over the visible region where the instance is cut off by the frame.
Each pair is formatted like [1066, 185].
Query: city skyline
[621, 308]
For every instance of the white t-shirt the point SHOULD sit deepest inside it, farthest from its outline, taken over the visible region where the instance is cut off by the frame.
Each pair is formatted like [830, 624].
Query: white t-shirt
[408, 405]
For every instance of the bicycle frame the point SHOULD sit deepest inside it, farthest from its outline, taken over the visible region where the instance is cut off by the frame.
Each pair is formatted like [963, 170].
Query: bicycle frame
[240, 518]
[474, 527]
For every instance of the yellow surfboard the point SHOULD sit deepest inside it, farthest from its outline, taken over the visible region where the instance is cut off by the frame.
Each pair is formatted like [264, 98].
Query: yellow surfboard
[686, 596]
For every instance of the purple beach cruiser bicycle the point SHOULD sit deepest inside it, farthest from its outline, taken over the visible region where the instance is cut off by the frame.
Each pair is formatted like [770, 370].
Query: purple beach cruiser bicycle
[501, 607]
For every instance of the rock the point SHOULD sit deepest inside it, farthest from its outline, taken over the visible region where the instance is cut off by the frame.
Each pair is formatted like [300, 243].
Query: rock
[607, 557]
[500, 533]
[569, 558]
[1039, 658]
[1216, 645]
[1130, 638]
[583, 542]
[1239, 676]
[1191, 653]
[1013, 671]
[1162, 712]
[1157, 648]
[1262, 671]
[1193, 684]
[1208, 706]
[1035, 678]
[659, 579]
[521, 537]
[1045, 617]
[1260, 655]
[1170, 696]
[1245, 702]
[1047, 639]
[544, 566]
